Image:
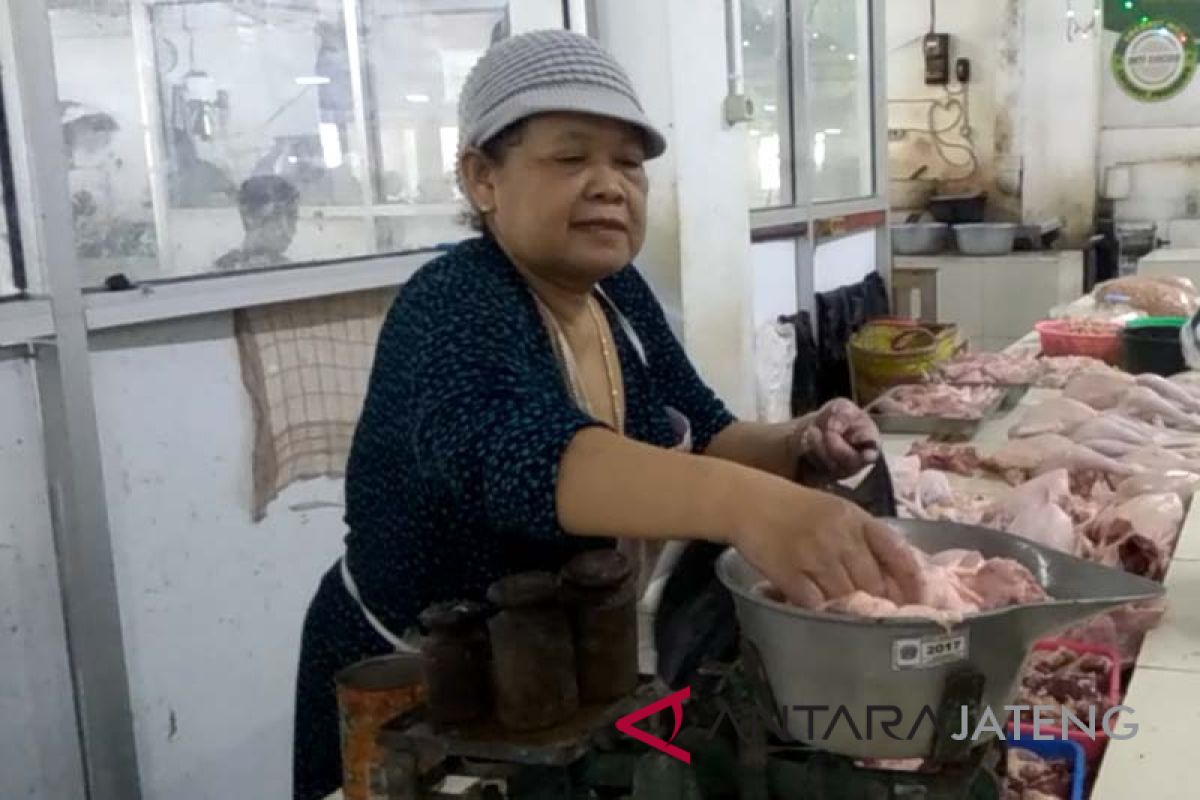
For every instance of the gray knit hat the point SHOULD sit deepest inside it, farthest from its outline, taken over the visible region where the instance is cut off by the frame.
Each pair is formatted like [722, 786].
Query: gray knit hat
[544, 71]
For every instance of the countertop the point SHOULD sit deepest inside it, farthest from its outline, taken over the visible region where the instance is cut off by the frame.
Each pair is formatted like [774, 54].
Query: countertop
[1159, 760]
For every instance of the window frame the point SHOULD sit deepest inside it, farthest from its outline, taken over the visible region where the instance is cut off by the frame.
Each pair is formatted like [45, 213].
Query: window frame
[809, 222]
[159, 299]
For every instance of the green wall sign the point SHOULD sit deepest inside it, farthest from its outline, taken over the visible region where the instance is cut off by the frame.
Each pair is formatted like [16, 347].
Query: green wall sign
[1155, 59]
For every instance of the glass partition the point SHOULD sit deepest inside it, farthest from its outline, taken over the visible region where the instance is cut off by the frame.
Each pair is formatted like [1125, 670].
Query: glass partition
[216, 136]
[765, 42]
[840, 80]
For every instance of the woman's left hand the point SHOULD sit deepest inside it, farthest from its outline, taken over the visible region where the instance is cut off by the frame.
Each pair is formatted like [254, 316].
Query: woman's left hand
[837, 441]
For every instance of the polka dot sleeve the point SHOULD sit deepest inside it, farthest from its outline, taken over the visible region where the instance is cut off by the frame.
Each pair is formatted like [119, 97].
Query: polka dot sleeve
[486, 432]
[670, 368]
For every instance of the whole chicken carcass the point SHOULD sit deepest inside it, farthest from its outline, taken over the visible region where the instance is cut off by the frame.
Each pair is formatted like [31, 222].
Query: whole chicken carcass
[1149, 405]
[1019, 459]
[1056, 415]
[1101, 390]
[1181, 397]
[1179, 482]
[1139, 534]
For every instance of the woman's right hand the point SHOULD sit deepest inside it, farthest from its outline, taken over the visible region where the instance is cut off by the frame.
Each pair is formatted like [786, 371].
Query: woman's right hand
[814, 547]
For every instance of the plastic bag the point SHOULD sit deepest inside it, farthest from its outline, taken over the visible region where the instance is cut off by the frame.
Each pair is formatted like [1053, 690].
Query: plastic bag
[1160, 296]
[774, 359]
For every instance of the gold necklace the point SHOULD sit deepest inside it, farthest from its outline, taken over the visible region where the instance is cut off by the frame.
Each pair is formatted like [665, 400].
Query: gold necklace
[609, 368]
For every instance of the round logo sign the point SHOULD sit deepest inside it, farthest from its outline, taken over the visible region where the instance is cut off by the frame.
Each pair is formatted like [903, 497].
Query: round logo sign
[1155, 60]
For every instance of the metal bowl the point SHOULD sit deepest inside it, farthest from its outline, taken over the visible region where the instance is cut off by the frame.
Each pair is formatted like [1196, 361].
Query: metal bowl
[986, 238]
[919, 239]
[877, 668]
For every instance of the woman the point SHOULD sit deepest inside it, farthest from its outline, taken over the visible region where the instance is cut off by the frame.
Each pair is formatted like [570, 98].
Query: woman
[529, 401]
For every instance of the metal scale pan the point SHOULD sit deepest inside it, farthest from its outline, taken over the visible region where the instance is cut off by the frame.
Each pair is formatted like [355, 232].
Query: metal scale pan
[868, 665]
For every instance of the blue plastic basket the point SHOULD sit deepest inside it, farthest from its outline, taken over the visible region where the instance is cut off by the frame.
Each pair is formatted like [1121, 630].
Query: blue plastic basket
[1058, 749]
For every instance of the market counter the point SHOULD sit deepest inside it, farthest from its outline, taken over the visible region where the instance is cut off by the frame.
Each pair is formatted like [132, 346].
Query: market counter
[1159, 760]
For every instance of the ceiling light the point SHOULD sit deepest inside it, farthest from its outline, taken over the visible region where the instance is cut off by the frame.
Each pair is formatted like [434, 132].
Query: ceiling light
[312, 80]
[417, 98]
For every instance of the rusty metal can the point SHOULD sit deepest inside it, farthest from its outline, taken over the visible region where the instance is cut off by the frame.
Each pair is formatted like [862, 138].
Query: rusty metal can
[371, 694]
[457, 662]
[533, 656]
[600, 590]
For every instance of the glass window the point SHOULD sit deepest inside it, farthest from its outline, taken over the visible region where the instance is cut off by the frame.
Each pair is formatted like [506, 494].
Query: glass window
[768, 84]
[417, 60]
[212, 136]
[840, 78]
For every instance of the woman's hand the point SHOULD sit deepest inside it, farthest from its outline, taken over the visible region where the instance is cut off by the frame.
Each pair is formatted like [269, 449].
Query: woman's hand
[815, 547]
[838, 441]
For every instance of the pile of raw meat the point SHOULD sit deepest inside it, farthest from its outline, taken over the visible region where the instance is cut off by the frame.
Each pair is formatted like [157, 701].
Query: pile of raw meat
[954, 585]
[938, 400]
[1031, 777]
[1064, 679]
[1103, 472]
[1014, 369]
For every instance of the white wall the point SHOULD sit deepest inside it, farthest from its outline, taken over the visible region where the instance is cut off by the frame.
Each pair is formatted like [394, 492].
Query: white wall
[212, 604]
[978, 31]
[1158, 144]
[698, 241]
[1061, 109]
[38, 759]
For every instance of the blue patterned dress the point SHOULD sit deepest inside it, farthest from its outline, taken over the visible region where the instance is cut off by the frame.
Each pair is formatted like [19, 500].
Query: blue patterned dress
[450, 482]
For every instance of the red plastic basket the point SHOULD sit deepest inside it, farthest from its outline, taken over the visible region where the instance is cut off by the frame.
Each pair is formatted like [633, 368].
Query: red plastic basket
[1092, 748]
[1059, 340]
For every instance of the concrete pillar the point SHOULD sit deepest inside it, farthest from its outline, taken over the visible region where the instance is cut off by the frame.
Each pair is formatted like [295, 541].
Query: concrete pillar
[1061, 107]
[697, 253]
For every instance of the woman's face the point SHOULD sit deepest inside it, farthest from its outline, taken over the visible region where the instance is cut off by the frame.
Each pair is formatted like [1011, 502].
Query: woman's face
[567, 197]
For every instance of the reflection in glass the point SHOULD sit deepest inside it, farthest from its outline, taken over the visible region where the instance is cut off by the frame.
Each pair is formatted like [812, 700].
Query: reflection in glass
[8, 284]
[839, 58]
[417, 60]
[765, 48]
[175, 114]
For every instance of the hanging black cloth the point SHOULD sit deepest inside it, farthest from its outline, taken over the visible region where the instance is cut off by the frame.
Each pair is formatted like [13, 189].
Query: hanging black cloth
[840, 314]
[696, 622]
[804, 369]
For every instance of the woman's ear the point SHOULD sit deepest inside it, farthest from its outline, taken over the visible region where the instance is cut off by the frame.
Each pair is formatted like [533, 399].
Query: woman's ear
[478, 175]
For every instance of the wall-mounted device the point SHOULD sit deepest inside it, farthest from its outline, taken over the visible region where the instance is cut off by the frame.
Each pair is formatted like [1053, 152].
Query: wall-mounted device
[937, 59]
[962, 70]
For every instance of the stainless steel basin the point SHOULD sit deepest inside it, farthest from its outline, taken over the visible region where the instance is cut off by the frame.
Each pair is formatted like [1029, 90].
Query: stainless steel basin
[919, 238]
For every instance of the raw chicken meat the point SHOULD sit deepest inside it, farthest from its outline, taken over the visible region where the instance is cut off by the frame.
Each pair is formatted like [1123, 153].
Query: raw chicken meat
[1183, 484]
[958, 459]
[1101, 390]
[1058, 371]
[1030, 777]
[1189, 380]
[1138, 534]
[1062, 678]
[955, 584]
[1181, 397]
[1121, 629]
[1039, 510]
[1056, 415]
[1112, 425]
[1019, 459]
[1149, 405]
[1157, 459]
[938, 400]
[1048, 526]
[990, 368]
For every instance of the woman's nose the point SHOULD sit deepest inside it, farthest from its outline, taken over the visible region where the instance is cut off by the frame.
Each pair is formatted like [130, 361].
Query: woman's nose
[605, 184]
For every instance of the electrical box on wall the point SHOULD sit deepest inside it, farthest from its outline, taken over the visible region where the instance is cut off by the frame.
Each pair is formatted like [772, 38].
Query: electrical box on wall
[937, 59]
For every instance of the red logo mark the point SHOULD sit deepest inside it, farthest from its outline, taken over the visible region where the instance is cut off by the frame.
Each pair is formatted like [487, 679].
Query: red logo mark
[675, 703]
